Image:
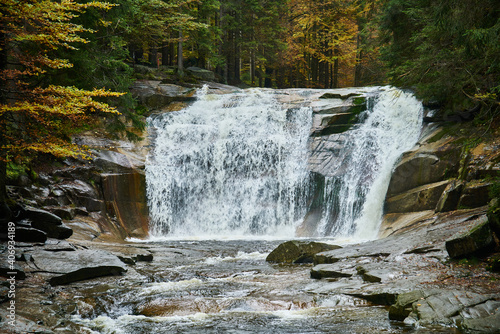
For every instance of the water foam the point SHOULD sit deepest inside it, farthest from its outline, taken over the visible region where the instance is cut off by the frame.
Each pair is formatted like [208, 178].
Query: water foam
[354, 200]
[229, 165]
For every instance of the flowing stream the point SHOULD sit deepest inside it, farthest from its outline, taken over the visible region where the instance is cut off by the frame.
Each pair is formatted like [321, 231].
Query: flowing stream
[228, 180]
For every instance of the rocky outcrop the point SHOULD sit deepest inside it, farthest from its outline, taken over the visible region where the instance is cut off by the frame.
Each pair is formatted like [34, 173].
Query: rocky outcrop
[77, 265]
[296, 251]
[438, 175]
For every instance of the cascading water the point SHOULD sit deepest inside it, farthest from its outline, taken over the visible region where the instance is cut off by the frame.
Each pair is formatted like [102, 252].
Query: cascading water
[354, 200]
[237, 164]
[229, 165]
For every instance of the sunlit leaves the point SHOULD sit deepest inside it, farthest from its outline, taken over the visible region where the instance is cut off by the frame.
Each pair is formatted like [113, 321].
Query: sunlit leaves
[36, 117]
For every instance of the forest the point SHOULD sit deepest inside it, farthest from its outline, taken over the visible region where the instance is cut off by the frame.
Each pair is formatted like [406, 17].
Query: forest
[66, 65]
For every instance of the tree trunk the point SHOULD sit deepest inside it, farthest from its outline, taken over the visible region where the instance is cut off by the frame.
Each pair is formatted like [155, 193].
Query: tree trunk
[180, 59]
[153, 56]
[359, 57]
[336, 68]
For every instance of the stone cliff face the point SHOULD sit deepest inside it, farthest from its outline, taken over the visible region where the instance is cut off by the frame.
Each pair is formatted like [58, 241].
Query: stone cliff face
[446, 171]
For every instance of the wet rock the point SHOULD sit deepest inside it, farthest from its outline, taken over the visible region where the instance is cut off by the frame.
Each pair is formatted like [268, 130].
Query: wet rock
[82, 194]
[298, 251]
[379, 272]
[487, 321]
[450, 197]
[126, 195]
[77, 265]
[338, 96]
[419, 199]
[335, 270]
[41, 216]
[59, 231]
[442, 305]
[396, 223]
[115, 162]
[477, 240]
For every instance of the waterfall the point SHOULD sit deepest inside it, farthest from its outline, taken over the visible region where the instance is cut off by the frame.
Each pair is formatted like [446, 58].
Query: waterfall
[237, 165]
[354, 199]
[229, 165]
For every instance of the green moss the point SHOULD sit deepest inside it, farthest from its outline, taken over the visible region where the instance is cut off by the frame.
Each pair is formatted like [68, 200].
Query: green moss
[359, 100]
[14, 171]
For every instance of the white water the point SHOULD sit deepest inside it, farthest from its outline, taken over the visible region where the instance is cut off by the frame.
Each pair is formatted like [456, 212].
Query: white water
[229, 165]
[354, 200]
[235, 165]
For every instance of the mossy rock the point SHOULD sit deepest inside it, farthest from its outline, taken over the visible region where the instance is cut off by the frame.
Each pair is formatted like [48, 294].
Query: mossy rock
[298, 251]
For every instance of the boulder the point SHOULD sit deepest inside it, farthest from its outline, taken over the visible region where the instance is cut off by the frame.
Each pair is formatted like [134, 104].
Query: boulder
[298, 251]
[418, 199]
[77, 265]
[41, 216]
[477, 240]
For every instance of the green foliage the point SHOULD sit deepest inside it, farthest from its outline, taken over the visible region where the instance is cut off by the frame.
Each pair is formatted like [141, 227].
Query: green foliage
[494, 189]
[448, 50]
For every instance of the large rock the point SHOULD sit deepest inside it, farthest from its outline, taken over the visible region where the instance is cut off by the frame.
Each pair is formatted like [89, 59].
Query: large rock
[77, 265]
[41, 216]
[442, 305]
[478, 239]
[298, 251]
[418, 199]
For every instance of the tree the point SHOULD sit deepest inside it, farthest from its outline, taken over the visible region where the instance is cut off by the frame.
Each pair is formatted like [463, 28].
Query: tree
[449, 50]
[36, 116]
